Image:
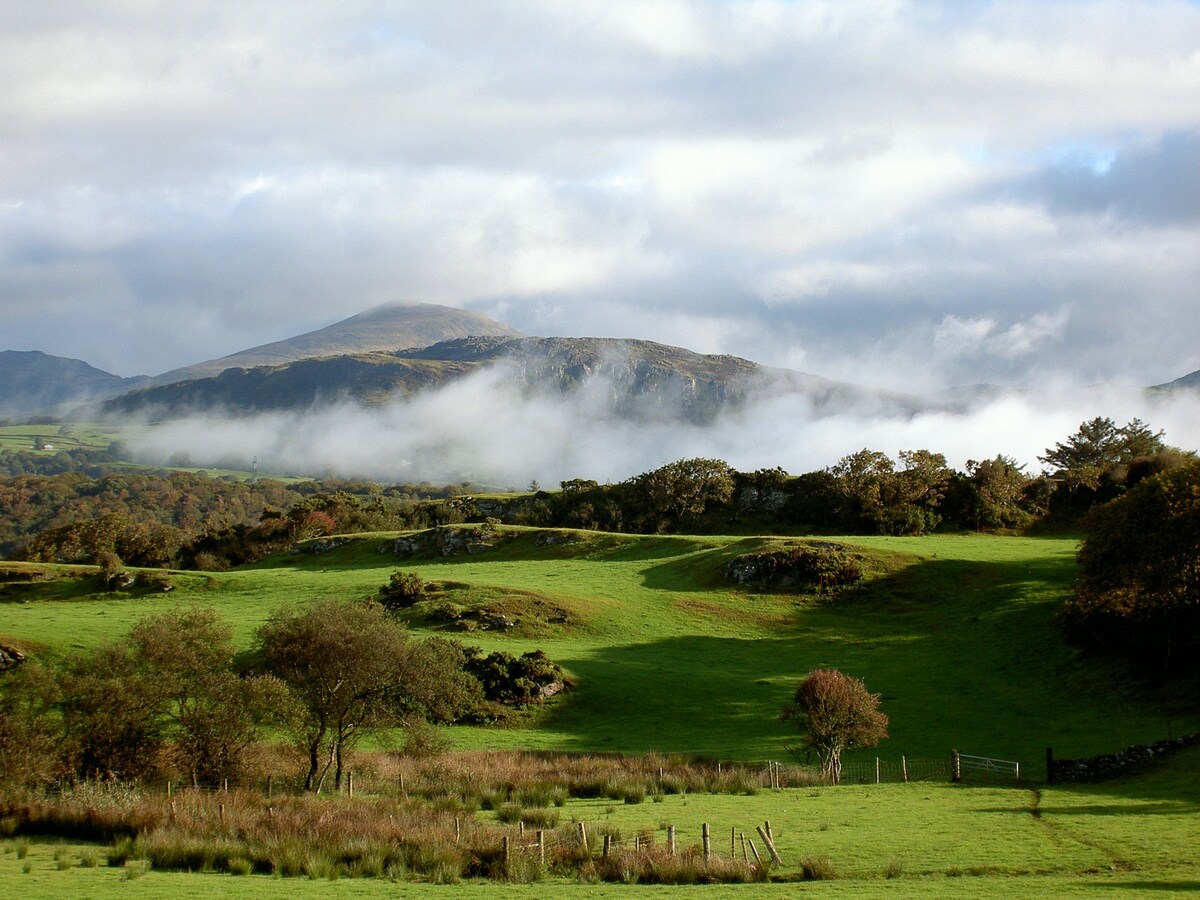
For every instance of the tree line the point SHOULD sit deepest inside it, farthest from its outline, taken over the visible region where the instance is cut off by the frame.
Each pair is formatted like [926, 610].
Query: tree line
[192, 521]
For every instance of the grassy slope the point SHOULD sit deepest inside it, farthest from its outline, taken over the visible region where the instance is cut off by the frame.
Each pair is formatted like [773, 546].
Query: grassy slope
[956, 632]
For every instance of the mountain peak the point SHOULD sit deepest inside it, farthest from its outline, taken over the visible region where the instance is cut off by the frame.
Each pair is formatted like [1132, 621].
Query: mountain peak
[389, 327]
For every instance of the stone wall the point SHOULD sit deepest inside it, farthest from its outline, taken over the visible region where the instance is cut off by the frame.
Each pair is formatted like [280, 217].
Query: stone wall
[1112, 765]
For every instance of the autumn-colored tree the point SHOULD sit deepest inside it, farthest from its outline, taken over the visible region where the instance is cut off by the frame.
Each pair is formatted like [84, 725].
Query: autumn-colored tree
[834, 712]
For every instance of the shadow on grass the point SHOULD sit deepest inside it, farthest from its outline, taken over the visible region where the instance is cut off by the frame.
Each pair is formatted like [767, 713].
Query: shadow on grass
[966, 654]
[1170, 887]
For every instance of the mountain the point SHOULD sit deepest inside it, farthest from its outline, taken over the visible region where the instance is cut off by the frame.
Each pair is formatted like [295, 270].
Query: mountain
[1186, 383]
[390, 327]
[32, 382]
[628, 377]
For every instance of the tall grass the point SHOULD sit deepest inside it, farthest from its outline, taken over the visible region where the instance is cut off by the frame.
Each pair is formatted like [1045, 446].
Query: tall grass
[243, 831]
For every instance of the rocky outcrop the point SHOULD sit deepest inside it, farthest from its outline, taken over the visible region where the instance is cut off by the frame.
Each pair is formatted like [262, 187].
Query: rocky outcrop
[445, 541]
[815, 566]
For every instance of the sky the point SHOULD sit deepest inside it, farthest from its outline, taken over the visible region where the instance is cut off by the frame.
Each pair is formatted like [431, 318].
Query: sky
[911, 195]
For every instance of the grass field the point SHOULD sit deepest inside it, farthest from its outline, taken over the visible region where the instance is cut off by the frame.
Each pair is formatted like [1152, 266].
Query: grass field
[956, 632]
[61, 437]
[1136, 839]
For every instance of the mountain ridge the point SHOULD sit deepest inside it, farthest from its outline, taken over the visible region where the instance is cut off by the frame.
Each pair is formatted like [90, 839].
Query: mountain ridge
[33, 382]
[385, 328]
[634, 378]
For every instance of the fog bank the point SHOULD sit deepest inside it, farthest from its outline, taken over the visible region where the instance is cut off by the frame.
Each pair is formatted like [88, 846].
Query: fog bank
[486, 430]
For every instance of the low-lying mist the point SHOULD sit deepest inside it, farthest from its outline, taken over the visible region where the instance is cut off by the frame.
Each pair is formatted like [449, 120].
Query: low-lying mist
[485, 429]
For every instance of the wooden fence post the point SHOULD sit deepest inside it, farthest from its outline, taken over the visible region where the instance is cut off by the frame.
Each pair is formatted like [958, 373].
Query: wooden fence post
[732, 842]
[745, 852]
[955, 767]
[457, 830]
[670, 840]
[607, 844]
[504, 848]
[904, 767]
[770, 845]
[168, 789]
[541, 843]
[877, 770]
[350, 785]
[583, 838]
[754, 850]
[706, 839]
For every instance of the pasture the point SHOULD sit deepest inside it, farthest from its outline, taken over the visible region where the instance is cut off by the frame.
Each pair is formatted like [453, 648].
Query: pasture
[957, 633]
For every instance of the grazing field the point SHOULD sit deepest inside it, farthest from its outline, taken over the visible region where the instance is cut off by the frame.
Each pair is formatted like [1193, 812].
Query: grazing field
[956, 632]
[1136, 838]
[61, 437]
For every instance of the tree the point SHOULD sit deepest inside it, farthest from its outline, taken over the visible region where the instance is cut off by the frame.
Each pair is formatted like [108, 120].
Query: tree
[110, 714]
[1098, 447]
[1138, 583]
[991, 495]
[30, 737]
[347, 666]
[684, 489]
[217, 715]
[834, 713]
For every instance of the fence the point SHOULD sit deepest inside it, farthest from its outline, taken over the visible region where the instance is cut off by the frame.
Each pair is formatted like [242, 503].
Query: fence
[582, 839]
[964, 767]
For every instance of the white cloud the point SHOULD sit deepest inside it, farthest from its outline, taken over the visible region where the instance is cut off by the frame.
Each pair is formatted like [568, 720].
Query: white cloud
[843, 183]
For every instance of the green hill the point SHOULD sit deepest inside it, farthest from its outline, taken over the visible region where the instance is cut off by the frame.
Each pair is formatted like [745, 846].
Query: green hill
[958, 633]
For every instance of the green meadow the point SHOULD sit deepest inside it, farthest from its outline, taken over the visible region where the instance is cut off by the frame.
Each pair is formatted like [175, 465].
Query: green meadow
[957, 633]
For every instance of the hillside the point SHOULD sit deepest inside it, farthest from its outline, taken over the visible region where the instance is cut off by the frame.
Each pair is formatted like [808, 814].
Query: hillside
[385, 328]
[632, 377]
[35, 382]
[958, 633]
[1190, 382]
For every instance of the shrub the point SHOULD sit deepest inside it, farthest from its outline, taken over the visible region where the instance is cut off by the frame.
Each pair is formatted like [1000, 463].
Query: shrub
[402, 590]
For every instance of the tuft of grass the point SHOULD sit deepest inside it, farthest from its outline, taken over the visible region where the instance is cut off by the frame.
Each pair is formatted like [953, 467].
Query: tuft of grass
[817, 868]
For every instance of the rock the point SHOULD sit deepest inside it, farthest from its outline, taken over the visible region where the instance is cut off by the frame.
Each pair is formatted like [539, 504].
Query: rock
[554, 538]
[10, 657]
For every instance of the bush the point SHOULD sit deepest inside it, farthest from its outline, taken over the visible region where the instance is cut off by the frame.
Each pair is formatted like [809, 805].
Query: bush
[402, 590]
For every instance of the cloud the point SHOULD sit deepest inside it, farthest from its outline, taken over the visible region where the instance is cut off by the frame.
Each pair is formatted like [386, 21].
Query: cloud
[484, 429]
[1157, 184]
[834, 183]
